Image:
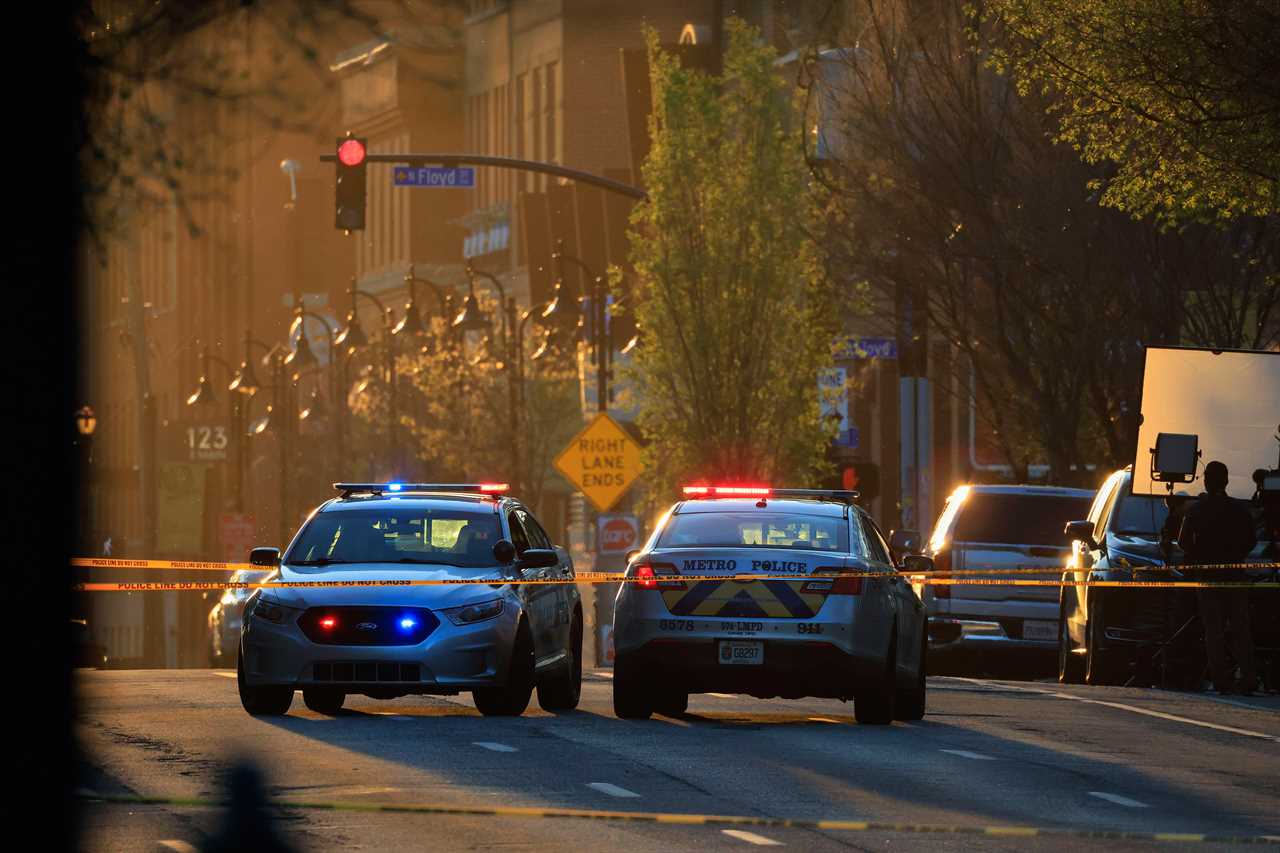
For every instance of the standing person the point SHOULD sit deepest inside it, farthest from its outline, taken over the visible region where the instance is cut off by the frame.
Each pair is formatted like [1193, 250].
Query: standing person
[1219, 529]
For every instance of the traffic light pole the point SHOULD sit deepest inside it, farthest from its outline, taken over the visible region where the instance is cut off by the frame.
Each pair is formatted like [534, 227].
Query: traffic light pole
[499, 163]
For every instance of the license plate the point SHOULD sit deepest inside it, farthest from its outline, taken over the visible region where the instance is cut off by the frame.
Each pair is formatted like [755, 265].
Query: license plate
[1037, 629]
[741, 652]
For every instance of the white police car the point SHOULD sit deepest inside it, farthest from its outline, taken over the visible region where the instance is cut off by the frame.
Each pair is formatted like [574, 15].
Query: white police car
[479, 634]
[831, 616]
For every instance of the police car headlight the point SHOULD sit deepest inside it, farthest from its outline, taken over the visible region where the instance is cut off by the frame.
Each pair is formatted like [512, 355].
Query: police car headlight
[473, 613]
[269, 611]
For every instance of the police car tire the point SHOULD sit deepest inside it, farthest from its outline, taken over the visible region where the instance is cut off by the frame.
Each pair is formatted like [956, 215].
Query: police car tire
[632, 699]
[511, 699]
[875, 705]
[561, 692]
[909, 704]
[672, 703]
[324, 700]
[265, 701]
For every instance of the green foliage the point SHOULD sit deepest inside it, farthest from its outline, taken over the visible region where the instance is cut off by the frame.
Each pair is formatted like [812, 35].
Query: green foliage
[1180, 96]
[737, 316]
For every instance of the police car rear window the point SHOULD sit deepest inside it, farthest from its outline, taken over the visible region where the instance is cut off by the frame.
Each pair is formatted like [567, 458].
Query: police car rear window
[368, 535]
[756, 530]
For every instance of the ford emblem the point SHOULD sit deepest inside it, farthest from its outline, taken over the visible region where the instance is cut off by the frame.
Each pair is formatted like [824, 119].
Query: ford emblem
[367, 626]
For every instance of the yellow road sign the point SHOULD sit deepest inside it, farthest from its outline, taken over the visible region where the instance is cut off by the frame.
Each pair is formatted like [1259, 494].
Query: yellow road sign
[602, 461]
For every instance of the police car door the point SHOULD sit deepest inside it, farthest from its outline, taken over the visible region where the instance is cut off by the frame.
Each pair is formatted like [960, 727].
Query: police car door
[907, 605]
[539, 599]
[565, 594]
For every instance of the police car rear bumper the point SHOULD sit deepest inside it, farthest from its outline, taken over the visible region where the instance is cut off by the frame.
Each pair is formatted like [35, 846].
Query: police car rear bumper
[790, 669]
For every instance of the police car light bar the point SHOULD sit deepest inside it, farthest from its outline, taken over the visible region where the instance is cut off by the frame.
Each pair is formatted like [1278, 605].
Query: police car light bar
[728, 491]
[843, 495]
[401, 488]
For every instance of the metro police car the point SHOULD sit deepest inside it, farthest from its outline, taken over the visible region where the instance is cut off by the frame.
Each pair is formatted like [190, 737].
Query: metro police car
[832, 617]
[492, 638]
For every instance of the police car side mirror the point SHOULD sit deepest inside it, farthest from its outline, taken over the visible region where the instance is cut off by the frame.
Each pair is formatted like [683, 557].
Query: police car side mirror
[504, 552]
[539, 558]
[268, 557]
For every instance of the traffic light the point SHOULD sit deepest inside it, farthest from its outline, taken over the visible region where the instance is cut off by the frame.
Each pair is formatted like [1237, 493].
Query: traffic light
[349, 200]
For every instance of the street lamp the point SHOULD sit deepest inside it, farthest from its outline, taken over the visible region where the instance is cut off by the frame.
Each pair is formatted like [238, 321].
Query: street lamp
[354, 337]
[86, 421]
[204, 395]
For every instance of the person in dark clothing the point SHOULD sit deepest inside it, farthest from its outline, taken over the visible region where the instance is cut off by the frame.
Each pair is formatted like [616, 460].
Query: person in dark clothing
[1220, 529]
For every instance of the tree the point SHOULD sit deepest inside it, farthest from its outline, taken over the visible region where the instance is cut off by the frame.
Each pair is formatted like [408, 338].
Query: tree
[738, 319]
[456, 417]
[1180, 97]
[945, 183]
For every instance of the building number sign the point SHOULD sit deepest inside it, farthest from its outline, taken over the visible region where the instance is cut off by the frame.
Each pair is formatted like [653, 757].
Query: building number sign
[207, 442]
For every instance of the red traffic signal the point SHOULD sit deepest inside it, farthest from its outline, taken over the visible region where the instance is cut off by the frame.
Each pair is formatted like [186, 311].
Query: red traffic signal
[351, 152]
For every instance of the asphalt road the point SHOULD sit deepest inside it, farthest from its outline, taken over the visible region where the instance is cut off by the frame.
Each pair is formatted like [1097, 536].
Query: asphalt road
[989, 753]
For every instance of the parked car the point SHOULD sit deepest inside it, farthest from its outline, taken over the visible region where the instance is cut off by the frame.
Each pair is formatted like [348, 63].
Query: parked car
[1103, 630]
[227, 616]
[998, 527]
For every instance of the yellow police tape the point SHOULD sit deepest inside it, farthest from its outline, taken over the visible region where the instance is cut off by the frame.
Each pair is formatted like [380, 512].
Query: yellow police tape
[707, 819]
[610, 577]
[189, 586]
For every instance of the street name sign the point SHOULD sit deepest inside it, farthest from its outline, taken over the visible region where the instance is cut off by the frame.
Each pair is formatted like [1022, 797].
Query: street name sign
[602, 461]
[437, 177]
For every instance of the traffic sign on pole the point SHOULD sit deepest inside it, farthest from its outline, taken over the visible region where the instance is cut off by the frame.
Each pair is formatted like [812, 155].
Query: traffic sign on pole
[602, 461]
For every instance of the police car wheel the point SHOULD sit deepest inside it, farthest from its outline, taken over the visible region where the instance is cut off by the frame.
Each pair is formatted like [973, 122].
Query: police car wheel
[511, 699]
[324, 700]
[909, 704]
[562, 691]
[262, 701]
[671, 703]
[875, 705]
[632, 699]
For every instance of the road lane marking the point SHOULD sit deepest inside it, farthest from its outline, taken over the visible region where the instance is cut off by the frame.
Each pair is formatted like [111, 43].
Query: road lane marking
[177, 845]
[1119, 800]
[751, 838]
[756, 821]
[494, 746]
[824, 720]
[224, 674]
[392, 715]
[964, 753]
[1133, 709]
[611, 789]
[723, 695]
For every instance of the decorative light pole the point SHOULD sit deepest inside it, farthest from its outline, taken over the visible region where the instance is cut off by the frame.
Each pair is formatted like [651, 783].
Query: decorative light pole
[205, 396]
[354, 338]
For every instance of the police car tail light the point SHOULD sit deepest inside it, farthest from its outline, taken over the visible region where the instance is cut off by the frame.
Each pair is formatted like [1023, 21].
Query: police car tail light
[841, 583]
[645, 577]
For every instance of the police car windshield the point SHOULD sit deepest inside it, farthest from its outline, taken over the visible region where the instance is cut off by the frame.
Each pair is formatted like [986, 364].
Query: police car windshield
[455, 537]
[756, 530]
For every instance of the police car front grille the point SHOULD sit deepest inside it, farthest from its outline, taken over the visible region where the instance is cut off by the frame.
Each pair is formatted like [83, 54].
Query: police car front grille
[365, 671]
